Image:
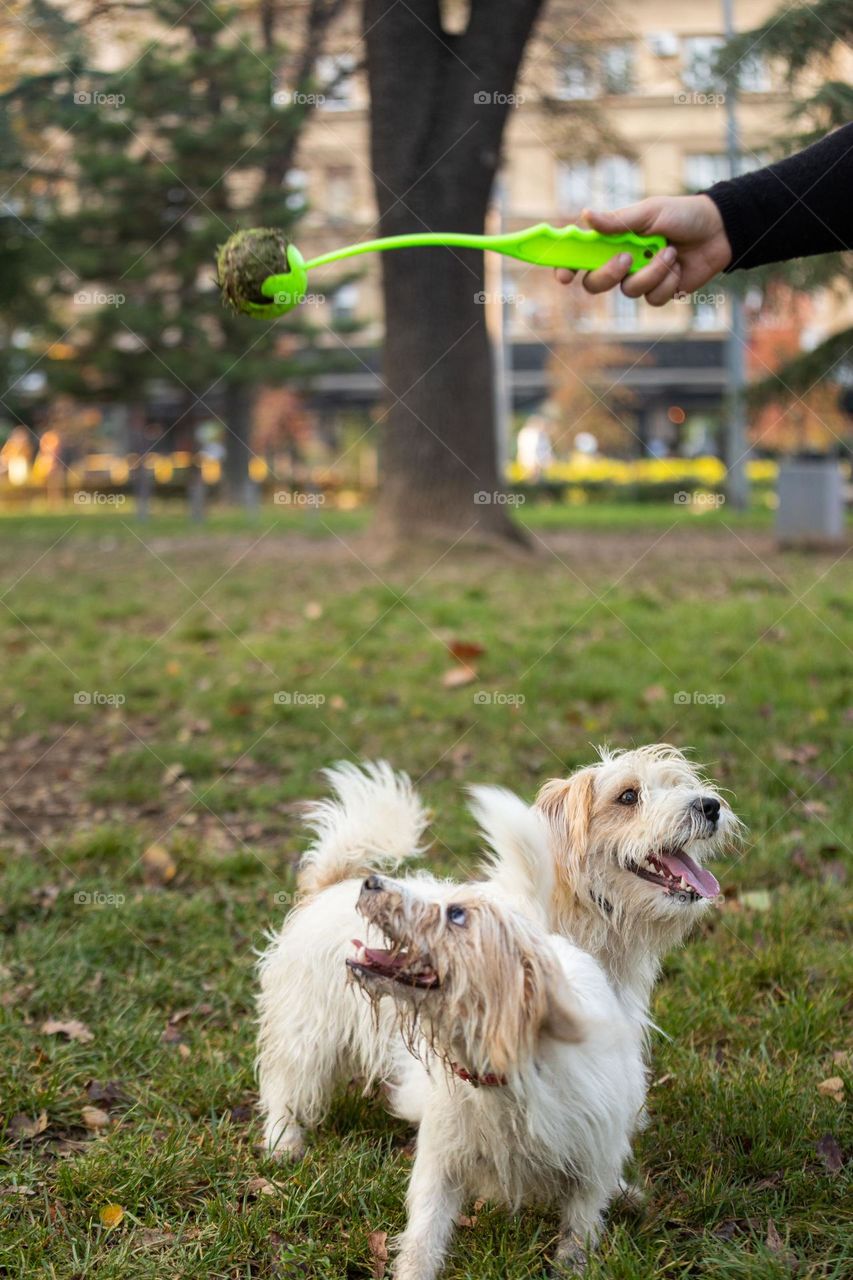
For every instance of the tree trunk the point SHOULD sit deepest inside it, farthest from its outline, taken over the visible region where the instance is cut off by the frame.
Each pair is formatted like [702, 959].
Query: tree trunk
[438, 108]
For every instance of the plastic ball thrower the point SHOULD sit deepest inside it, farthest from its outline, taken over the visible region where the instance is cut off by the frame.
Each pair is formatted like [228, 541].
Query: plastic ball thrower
[262, 274]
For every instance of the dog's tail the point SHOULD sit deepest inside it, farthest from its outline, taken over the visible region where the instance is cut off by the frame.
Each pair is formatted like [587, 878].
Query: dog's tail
[520, 863]
[375, 822]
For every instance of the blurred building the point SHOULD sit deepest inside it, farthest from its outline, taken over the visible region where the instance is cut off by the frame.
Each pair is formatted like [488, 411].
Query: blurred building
[648, 77]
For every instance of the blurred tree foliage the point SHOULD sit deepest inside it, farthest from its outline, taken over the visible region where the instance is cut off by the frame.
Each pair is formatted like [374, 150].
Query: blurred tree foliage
[123, 183]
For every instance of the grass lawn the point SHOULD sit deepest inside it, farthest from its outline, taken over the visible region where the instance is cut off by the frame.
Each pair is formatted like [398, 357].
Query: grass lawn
[170, 694]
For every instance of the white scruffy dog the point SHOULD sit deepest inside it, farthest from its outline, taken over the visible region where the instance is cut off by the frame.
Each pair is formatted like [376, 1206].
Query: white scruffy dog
[625, 882]
[517, 1059]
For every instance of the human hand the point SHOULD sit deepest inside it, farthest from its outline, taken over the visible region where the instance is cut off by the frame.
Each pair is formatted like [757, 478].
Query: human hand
[698, 248]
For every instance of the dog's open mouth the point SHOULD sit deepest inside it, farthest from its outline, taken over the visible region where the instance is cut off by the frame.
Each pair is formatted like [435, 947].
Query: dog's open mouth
[676, 872]
[395, 963]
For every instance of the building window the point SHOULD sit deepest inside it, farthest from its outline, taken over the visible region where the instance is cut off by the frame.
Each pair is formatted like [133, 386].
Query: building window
[606, 184]
[624, 312]
[575, 73]
[700, 55]
[344, 303]
[617, 69]
[339, 191]
[336, 81]
[296, 190]
[754, 74]
[703, 169]
[585, 71]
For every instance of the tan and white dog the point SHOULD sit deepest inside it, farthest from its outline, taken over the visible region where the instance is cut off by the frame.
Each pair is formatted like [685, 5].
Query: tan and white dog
[525, 1074]
[624, 881]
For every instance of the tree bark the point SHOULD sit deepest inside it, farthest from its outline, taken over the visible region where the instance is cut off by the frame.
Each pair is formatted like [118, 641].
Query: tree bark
[439, 104]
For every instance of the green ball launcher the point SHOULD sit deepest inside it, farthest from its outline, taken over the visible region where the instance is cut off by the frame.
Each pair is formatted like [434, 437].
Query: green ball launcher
[262, 274]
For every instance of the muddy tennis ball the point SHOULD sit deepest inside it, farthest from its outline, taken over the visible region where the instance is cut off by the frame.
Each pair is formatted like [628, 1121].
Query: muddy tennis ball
[247, 259]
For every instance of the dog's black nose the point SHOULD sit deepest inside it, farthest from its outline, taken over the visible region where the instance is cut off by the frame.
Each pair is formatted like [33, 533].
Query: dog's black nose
[374, 882]
[709, 807]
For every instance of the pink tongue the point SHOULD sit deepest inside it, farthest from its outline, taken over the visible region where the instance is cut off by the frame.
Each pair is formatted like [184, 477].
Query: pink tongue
[681, 864]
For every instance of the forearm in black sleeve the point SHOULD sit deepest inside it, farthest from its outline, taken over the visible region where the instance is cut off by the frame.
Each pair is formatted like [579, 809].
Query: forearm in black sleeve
[798, 207]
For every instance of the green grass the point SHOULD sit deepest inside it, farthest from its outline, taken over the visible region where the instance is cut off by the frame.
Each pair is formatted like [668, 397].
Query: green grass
[197, 630]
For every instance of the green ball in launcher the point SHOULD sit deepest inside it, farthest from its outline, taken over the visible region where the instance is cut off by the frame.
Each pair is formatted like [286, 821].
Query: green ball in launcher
[262, 274]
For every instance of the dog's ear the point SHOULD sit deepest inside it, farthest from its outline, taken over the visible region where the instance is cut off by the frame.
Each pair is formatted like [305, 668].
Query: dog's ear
[567, 804]
[563, 1019]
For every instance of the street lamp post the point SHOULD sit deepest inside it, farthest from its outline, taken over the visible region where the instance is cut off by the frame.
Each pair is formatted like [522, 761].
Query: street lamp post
[735, 443]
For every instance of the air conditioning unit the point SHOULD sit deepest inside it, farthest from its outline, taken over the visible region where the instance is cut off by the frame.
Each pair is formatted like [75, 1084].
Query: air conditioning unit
[663, 44]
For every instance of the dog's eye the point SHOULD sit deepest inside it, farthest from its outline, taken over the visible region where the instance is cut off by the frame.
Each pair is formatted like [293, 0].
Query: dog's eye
[457, 915]
[631, 796]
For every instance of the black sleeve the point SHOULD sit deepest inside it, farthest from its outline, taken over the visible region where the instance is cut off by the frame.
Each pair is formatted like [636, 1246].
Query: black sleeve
[798, 207]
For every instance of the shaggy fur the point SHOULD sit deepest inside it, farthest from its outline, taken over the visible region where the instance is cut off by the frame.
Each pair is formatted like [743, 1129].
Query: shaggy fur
[313, 1034]
[525, 1074]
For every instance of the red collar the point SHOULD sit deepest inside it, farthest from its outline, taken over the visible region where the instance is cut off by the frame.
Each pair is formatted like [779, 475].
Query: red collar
[489, 1079]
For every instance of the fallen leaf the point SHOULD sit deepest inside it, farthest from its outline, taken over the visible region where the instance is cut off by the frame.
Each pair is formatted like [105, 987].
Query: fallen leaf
[756, 900]
[465, 651]
[111, 1215]
[95, 1118]
[171, 774]
[654, 693]
[22, 1126]
[830, 1153]
[843, 1058]
[260, 1187]
[72, 1030]
[184, 1051]
[456, 677]
[158, 865]
[313, 610]
[833, 1087]
[774, 1240]
[377, 1243]
[108, 1094]
[337, 703]
[153, 1237]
